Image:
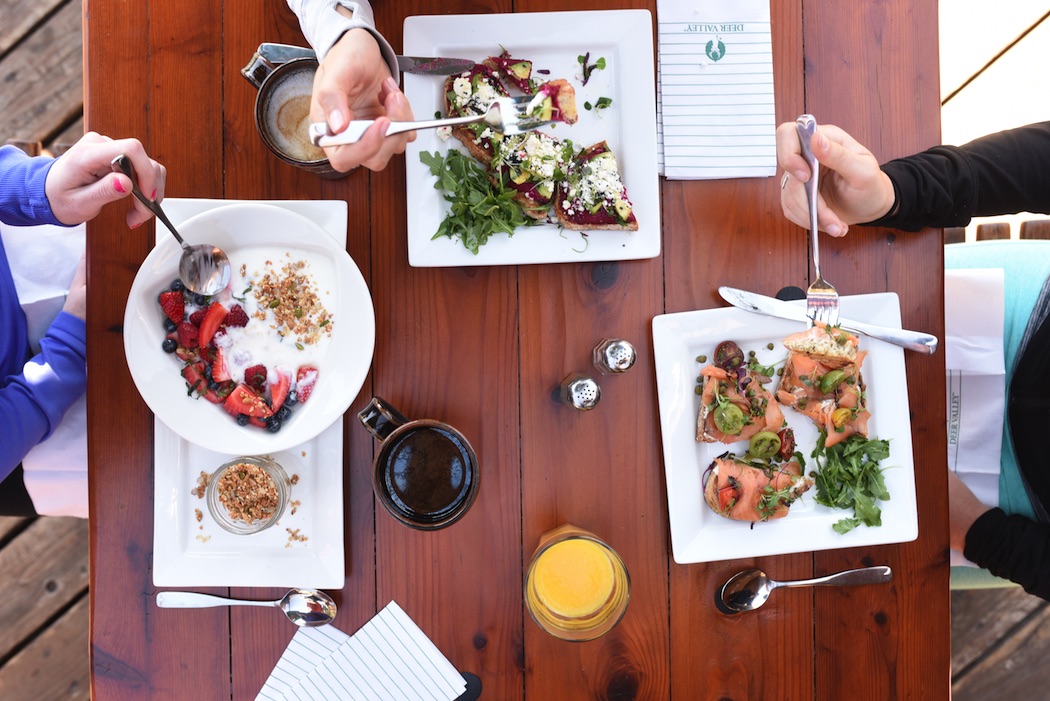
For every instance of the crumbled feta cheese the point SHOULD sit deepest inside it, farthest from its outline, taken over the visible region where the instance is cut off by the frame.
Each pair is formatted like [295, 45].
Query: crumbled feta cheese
[444, 133]
[461, 87]
[486, 134]
[600, 182]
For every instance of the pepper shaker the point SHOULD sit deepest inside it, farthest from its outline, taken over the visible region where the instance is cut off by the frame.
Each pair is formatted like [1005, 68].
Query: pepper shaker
[580, 392]
[613, 356]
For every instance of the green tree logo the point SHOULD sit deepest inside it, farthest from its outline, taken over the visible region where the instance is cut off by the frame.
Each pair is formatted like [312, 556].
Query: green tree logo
[715, 49]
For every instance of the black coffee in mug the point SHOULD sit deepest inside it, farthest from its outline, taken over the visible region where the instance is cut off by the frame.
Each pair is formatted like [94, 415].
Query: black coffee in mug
[427, 472]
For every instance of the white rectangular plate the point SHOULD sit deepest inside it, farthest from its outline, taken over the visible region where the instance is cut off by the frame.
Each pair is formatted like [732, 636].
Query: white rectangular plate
[187, 552]
[700, 535]
[552, 41]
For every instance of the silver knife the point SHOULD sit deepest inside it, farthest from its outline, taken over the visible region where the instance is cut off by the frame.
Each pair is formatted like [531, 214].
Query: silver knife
[282, 53]
[771, 306]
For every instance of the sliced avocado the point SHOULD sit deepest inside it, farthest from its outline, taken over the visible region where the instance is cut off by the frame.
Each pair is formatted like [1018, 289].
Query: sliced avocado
[546, 109]
[623, 210]
[596, 207]
[545, 190]
[518, 176]
[521, 70]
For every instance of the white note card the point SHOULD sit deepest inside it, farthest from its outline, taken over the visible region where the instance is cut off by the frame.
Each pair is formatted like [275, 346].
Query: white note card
[716, 89]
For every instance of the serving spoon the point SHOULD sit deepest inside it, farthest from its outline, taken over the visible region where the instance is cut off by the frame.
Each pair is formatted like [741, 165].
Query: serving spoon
[748, 590]
[303, 607]
[203, 269]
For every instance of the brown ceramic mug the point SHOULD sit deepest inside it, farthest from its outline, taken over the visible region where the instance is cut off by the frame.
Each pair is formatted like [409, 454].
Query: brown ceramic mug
[425, 472]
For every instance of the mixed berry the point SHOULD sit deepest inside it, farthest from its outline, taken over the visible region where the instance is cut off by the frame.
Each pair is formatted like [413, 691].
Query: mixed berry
[195, 327]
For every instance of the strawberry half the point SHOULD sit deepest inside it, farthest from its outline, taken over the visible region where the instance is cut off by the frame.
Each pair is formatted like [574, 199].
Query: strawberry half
[305, 381]
[255, 377]
[173, 305]
[244, 400]
[279, 389]
[210, 323]
[219, 370]
[188, 335]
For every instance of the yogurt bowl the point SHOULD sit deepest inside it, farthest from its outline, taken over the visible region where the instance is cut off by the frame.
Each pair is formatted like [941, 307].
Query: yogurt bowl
[254, 235]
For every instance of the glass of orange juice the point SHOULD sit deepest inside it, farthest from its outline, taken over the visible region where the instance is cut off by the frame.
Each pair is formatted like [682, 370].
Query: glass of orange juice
[576, 587]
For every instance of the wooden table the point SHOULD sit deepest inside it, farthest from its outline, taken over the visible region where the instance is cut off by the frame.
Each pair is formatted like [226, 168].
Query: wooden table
[166, 71]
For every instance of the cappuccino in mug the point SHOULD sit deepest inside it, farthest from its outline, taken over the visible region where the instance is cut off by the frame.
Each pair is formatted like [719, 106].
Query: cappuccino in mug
[286, 114]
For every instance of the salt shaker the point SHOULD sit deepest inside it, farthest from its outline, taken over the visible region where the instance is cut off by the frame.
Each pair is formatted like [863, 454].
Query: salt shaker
[613, 355]
[580, 392]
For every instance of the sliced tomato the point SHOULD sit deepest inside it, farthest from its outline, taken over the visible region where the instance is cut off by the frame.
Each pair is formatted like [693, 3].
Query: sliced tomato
[727, 497]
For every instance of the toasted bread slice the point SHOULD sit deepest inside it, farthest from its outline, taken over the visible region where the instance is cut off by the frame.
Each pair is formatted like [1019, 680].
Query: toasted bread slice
[471, 93]
[828, 345]
[593, 197]
[554, 101]
[532, 164]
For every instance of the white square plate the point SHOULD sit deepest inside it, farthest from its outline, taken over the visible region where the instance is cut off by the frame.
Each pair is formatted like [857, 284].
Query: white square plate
[191, 553]
[552, 41]
[699, 534]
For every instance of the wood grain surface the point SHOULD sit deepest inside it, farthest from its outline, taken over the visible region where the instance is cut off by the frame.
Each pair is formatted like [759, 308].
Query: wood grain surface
[485, 348]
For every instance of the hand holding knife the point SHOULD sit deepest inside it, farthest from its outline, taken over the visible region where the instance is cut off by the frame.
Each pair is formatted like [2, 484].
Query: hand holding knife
[771, 306]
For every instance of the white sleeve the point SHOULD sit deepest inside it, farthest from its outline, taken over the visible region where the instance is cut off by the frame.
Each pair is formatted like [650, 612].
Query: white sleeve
[323, 26]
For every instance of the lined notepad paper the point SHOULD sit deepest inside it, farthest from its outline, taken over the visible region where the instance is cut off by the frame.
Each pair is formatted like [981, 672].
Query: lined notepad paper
[716, 89]
[388, 658]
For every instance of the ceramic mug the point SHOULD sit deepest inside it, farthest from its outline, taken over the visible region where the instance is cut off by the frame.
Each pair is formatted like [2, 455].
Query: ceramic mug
[425, 472]
[282, 107]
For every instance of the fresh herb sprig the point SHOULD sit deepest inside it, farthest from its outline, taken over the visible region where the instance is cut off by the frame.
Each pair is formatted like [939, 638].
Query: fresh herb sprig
[848, 476]
[588, 67]
[477, 208]
[601, 104]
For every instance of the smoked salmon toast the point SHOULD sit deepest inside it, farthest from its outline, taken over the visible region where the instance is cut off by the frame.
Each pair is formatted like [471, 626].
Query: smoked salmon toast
[744, 492]
[822, 379]
[734, 406]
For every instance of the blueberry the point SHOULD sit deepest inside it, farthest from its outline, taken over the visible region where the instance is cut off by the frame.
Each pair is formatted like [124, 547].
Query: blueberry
[291, 399]
[169, 325]
[177, 286]
[283, 413]
[273, 424]
[169, 345]
[242, 419]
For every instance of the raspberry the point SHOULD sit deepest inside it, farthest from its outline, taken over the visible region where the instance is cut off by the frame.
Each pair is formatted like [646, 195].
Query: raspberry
[237, 316]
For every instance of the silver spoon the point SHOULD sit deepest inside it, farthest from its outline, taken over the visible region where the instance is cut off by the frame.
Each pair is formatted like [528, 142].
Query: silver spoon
[747, 590]
[303, 607]
[203, 269]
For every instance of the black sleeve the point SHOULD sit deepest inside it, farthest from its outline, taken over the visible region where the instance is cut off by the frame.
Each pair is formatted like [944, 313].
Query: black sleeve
[1002, 173]
[1012, 547]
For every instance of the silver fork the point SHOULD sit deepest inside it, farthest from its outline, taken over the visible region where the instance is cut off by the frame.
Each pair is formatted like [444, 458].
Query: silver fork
[822, 299]
[507, 115]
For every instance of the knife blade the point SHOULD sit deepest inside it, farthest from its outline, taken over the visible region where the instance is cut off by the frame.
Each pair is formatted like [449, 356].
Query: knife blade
[434, 66]
[282, 53]
[771, 306]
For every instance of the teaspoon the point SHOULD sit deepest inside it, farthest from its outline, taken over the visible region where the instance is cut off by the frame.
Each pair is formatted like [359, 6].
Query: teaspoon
[303, 607]
[747, 590]
[203, 269]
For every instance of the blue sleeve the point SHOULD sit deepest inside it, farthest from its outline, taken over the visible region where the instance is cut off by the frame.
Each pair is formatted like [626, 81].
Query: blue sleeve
[33, 403]
[23, 200]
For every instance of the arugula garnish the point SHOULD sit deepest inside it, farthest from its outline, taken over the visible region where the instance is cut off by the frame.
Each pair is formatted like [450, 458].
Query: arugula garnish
[848, 476]
[478, 208]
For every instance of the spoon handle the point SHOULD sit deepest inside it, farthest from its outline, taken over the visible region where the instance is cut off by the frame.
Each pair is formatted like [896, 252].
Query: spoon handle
[123, 163]
[864, 575]
[192, 600]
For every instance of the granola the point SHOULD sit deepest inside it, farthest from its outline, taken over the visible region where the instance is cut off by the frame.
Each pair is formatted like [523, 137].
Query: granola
[248, 492]
[292, 296]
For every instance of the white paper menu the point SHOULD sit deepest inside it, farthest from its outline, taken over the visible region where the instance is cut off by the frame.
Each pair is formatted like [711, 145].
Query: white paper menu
[716, 89]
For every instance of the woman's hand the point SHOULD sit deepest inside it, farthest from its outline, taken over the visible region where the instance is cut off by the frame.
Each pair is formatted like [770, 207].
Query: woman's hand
[76, 300]
[82, 181]
[852, 187]
[354, 82]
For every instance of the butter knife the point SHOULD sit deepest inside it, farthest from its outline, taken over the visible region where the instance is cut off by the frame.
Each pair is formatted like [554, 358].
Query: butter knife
[771, 306]
[282, 53]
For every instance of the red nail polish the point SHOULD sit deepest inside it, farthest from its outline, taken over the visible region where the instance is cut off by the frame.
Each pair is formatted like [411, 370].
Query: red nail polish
[135, 226]
[154, 195]
[118, 187]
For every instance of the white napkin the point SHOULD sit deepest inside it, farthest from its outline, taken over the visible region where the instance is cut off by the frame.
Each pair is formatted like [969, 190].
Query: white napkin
[976, 379]
[716, 89]
[43, 260]
[388, 658]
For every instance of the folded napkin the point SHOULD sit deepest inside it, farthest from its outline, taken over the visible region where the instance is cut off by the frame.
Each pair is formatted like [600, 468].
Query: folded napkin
[973, 355]
[716, 89]
[388, 658]
[43, 260]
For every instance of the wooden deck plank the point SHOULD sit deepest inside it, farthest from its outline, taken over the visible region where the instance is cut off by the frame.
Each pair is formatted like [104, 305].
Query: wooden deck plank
[982, 617]
[45, 568]
[54, 665]
[18, 18]
[43, 78]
